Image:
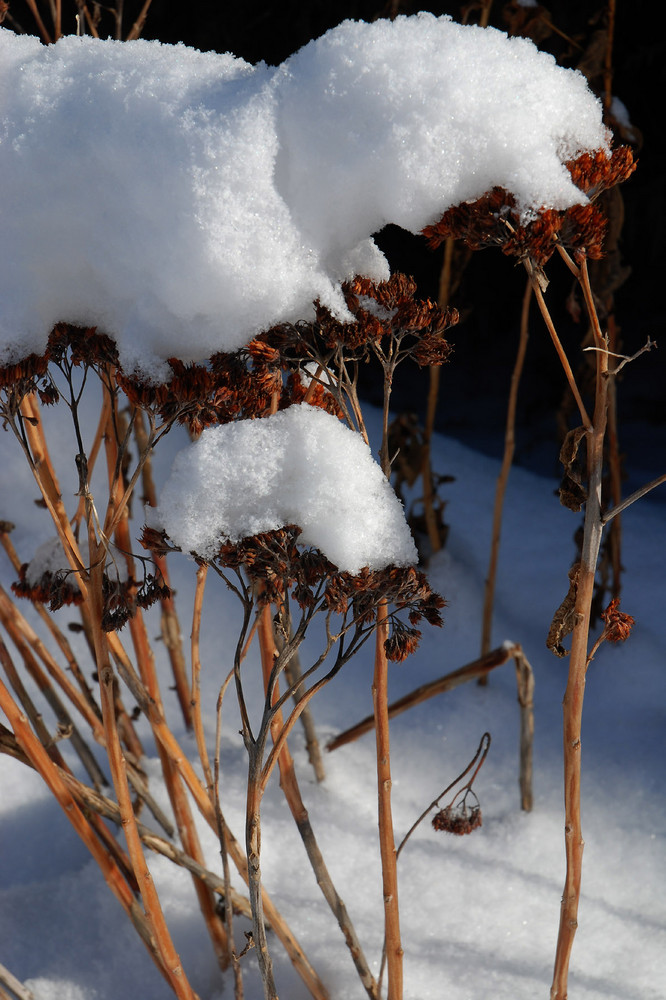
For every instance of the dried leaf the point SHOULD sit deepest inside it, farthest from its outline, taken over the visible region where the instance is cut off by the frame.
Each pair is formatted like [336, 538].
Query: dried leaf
[565, 618]
[573, 493]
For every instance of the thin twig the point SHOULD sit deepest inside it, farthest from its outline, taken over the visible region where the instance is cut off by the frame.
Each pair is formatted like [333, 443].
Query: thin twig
[471, 671]
[633, 498]
[503, 478]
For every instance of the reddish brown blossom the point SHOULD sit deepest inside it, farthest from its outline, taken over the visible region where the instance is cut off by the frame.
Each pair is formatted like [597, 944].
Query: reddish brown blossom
[83, 345]
[459, 819]
[493, 219]
[25, 373]
[618, 625]
[402, 643]
[54, 589]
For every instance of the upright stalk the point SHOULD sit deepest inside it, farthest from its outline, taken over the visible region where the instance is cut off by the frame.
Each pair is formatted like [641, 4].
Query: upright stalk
[292, 793]
[503, 478]
[394, 950]
[578, 657]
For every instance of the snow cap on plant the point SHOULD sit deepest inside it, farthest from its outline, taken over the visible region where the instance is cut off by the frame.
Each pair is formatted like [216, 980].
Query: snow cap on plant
[300, 466]
[271, 181]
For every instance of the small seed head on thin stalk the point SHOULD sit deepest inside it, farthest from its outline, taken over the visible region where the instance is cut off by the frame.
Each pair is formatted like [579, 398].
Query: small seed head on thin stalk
[459, 819]
[618, 625]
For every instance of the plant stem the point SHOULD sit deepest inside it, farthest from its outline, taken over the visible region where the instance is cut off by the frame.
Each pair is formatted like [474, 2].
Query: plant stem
[292, 793]
[578, 660]
[503, 478]
[42, 763]
[107, 681]
[253, 850]
[394, 950]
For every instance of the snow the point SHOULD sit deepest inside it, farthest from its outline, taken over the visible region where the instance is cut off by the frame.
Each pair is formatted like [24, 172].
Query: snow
[479, 913]
[183, 201]
[300, 466]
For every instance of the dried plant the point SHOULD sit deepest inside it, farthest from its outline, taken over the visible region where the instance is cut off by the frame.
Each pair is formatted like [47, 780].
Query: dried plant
[282, 586]
[577, 236]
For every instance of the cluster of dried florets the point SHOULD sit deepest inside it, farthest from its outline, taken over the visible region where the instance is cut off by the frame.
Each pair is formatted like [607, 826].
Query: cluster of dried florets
[388, 310]
[288, 364]
[618, 625]
[493, 220]
[74, 346]
[459, 819]
[120, 598]
[54, 589]
[276, 562]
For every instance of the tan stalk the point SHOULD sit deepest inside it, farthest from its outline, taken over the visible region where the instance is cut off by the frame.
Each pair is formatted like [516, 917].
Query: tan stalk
[60, 639]
[525, 682]
[171, 633]
[65, 721]
[90, 799]
[38, 457]
[471, 671]
[434, 375]
[42, 763]
[614, 539]
[564, 361]
[107, 683]
[166, 738]
[292, 672]
[578, 657]
[46, 38]
[393, 944]
[292, 793]
[17, 987]
[503, 478]
[20, 629]
[137, 27]
[146, 663]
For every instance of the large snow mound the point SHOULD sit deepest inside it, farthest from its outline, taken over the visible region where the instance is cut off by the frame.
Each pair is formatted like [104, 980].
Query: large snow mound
[300, 466]
[184, 201]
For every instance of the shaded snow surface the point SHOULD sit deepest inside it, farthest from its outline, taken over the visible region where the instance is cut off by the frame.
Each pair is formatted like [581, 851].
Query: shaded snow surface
[479, 913]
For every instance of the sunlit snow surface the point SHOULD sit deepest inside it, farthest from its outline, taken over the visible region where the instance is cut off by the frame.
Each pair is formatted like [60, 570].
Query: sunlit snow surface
[185, 201]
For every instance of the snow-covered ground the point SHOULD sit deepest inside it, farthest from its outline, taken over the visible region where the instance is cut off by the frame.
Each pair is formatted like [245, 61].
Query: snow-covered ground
[479, 913]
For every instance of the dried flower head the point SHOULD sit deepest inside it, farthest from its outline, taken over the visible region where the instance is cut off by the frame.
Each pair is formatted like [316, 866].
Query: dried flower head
[459, 819]
[618, 625]
[82, 345]
[493, 219]
[54, 589]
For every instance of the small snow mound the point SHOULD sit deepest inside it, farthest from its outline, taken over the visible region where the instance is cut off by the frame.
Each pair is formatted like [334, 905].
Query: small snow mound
[300, 466]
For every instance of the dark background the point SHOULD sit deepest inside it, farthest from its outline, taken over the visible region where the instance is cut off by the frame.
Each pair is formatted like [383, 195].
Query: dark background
[475, 383]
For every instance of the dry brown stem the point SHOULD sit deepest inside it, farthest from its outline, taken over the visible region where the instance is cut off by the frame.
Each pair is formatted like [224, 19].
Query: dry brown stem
[393, 943]
[171, 632]
[578, 658]
[292, 793]
[146, 663]
[503, 478]
[17, 987]
[471, 671]
[167, 739]
[40, 760]
[107, 682]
